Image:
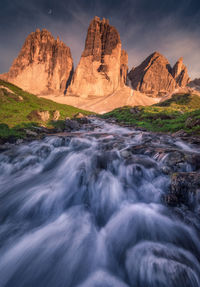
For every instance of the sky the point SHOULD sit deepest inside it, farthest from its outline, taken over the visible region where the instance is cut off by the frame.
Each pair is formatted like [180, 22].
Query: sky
[171, 27]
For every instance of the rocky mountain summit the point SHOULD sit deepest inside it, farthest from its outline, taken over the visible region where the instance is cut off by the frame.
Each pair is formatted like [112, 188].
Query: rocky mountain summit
[103, 66]
[180, 73]
[156, 77]
[43, 66]
[101, 81]
[195, 84]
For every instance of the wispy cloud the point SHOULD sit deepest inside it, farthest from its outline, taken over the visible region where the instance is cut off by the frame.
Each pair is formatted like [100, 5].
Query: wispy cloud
[171, 27]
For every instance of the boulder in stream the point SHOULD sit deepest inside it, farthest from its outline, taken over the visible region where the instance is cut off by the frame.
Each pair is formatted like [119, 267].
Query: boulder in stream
[185, 188]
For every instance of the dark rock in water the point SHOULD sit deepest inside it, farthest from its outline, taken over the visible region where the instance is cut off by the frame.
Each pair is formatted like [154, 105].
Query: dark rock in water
[174, 158]
[72, 125]
[180, 133]
[30, 133]
[185, 187]
[82, 118]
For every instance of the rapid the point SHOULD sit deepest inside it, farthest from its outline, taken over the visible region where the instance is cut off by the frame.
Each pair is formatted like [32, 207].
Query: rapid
[88, 210]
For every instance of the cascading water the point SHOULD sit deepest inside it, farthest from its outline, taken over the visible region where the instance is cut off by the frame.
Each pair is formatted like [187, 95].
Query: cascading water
[83, 210]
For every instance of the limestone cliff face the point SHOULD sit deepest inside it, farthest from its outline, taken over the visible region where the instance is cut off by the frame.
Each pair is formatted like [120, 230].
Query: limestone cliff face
[123, 67]
[155, 77]
[43, 66]
[98, 72]
[180, 74]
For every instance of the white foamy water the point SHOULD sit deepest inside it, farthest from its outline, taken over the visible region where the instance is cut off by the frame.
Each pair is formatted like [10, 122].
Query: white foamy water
[87, 211]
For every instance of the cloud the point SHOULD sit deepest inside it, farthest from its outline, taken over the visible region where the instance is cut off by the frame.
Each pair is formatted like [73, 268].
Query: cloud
[171, 27]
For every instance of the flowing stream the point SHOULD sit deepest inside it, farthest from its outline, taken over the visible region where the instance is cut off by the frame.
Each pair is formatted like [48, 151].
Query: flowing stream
[87, 210]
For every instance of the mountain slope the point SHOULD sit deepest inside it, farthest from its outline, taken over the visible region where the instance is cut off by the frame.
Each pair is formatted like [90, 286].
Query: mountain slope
[17, 105]
[181, 112]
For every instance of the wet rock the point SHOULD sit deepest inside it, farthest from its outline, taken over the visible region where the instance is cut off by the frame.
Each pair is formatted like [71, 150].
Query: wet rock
[19, 141]
[174, 158]
[185, 188]
[31, 133]
[166, 170]
[72, 125]
[41, 129]
[82, 118]
[125, 153]
[56, 115]
[180, 133]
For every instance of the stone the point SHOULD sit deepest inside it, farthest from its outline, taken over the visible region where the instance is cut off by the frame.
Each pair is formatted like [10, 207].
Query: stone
[191, 122]
[20, 98]
[98, 72]
[31, 133]
[71, 124]
[19, 141]
[153, 77]
[180, 73]
[125, 153]
[185, 188]
[135, 110]
[56, 115]
[79, 116]
[43, 66]
[39, 115]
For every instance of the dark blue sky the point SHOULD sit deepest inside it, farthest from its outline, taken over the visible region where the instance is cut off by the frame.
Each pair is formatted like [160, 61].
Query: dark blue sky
[171, 27]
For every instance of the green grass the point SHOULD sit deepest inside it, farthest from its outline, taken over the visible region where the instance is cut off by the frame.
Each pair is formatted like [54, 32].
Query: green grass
[168, 116]
[16, 106]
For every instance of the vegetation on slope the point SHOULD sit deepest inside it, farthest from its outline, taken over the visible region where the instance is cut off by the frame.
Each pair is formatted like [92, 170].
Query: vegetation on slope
[16, 106]
[181, 112]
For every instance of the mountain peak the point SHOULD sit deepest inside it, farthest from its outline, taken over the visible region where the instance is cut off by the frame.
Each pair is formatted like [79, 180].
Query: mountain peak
[98, 73]
[43, 64]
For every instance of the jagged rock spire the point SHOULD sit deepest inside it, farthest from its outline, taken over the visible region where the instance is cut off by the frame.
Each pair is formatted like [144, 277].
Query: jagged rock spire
[180, 74]
[98, 72]
[43, 65]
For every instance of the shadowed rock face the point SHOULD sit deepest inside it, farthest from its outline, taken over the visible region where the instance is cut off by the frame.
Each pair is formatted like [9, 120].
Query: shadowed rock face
[153, 76]
[43, 65]
[180, 74]
[195, 84]
[101, 39]
[124, 67]
[156, 77]
[98, 72]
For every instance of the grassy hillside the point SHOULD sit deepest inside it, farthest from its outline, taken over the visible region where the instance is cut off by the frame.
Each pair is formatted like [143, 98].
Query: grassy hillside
[181, 112]
[16, 105]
